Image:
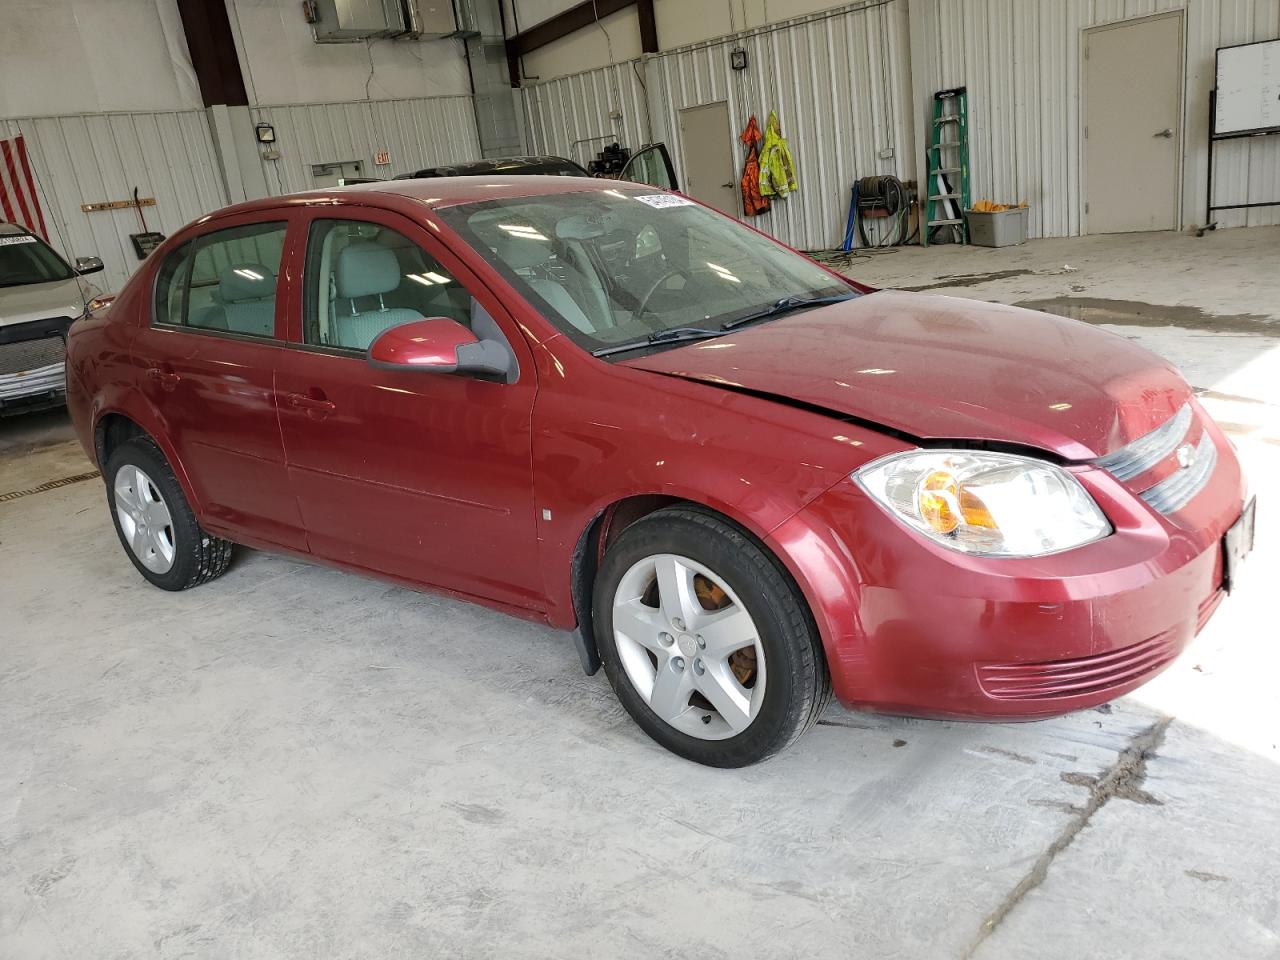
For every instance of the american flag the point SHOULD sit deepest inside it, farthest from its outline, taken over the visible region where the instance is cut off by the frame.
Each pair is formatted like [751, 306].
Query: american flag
[18, 201]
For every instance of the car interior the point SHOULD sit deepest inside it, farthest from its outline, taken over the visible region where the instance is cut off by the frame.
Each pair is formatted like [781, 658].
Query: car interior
[363, 279]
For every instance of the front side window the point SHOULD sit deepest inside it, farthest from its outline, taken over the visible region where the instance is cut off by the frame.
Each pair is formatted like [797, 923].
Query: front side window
[26, 259]
[225, 280]
[363, 278]
[616, 266]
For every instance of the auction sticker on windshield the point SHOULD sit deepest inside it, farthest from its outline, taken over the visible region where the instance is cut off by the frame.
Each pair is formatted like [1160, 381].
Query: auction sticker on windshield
[10, 241]
[665, 200]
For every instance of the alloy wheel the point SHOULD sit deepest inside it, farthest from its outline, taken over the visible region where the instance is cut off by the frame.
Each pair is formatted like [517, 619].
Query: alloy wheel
[689, 647]
[144, 518]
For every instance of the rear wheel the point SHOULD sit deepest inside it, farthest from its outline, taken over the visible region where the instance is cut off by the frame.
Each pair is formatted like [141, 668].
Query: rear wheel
[154, 521]
[705, 640]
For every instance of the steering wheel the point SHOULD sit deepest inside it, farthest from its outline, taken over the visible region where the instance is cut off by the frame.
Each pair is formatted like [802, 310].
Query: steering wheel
[653, 288]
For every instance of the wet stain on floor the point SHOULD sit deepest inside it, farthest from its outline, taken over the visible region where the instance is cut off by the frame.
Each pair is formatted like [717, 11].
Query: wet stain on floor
[969, 279]
[1135, 313]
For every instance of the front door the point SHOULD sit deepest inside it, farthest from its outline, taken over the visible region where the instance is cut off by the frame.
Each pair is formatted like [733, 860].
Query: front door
[1133, 110]
[419, 475]
[707, 143]
[207, 364]
[651, 165]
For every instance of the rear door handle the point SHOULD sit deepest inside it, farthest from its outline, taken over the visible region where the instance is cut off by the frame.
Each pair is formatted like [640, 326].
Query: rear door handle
[316, 407]
[166, 378]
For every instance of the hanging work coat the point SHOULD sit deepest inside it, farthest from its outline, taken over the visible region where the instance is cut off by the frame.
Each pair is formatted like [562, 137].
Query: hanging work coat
[753, 204]
[777, 169]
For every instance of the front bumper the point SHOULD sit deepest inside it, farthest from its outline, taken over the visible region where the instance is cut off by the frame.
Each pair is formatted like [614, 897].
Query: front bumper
[32, 363]
[32, 386]
[912, 627]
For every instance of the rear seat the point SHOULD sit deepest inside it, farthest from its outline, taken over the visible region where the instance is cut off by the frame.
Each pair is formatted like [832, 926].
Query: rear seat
[246, 301]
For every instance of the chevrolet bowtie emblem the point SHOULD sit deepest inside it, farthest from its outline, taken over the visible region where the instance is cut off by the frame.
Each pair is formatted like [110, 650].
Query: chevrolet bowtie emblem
[1186, 455]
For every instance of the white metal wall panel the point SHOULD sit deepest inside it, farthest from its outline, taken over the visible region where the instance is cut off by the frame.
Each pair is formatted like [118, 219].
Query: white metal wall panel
[420, 132]
[573, 116]
[839, 82]
[100, 157]
[1021, 61]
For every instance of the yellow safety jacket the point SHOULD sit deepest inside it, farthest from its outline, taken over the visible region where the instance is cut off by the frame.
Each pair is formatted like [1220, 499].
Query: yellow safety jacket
[777, 169]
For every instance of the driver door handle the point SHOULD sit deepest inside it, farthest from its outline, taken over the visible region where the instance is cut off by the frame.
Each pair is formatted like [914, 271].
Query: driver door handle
[316, 407]
[1167, 133]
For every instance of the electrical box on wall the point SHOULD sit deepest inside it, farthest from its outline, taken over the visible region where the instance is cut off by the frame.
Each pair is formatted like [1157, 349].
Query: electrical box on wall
[350, 21]
[426, 19]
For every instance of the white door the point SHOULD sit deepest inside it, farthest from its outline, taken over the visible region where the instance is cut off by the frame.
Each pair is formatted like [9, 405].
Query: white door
[1132, 124]
[707, 143]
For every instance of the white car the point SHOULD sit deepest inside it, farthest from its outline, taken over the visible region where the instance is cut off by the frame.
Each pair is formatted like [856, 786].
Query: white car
[40, 295]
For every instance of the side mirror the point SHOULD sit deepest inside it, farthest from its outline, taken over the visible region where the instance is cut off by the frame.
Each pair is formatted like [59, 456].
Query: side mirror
[88, 265]
[438, 345]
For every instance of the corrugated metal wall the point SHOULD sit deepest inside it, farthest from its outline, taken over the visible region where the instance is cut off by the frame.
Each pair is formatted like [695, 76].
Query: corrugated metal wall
[100, 157]
[418, 133]
[839, 81]
[571, 116]
[1021, 60]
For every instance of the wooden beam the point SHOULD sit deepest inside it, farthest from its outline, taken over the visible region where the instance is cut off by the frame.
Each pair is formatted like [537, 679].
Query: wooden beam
[561, 25]
[213, 52]
[648, 26]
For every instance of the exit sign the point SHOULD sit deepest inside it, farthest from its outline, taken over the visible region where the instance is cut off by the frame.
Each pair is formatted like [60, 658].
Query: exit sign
[382, 158]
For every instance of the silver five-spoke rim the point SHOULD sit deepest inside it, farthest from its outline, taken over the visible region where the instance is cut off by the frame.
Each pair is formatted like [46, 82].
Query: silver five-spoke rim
[689, 647]
[144, 518]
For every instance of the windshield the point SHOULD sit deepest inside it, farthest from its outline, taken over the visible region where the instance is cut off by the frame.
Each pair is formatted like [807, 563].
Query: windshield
[26, 259]
[619, 266]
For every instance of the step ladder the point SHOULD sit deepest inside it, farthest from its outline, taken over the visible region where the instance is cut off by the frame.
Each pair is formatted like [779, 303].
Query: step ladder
[947, 162]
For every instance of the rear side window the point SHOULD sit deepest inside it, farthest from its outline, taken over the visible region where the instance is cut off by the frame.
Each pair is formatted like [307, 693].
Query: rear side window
[225, 280]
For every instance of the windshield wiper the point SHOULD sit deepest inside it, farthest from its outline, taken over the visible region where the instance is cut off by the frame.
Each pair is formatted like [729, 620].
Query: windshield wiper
[786, 305]
[673, 335]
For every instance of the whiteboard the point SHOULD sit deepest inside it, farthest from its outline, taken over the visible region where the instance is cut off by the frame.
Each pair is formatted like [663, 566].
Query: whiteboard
[1248, 85]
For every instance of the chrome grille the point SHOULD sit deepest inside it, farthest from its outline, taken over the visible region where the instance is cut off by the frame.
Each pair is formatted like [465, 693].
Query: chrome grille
[1176, 490]
[31, 355]
[1148, 450]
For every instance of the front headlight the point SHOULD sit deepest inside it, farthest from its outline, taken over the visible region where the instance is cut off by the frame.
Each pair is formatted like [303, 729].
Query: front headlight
[993, 504]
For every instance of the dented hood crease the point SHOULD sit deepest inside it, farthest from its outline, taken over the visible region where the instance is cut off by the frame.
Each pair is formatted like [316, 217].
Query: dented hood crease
[942, 368]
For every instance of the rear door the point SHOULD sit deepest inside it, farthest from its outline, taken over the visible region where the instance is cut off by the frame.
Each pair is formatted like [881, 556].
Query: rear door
[415, 474]
[207, 365]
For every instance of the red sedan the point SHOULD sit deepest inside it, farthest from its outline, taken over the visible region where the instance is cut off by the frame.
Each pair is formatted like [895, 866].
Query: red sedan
[744, 481]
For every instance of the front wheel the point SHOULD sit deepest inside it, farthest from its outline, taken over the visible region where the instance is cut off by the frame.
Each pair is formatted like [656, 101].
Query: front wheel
[705, 640]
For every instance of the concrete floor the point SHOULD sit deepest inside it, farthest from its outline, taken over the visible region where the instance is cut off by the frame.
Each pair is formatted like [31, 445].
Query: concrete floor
[294, 762]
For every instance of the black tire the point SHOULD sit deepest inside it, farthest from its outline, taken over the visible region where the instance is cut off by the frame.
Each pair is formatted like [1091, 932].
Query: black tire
[799, 684]
[197, 556]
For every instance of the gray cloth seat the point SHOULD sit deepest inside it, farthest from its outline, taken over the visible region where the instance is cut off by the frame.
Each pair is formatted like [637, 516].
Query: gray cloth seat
[526, 253]
[247, 301]
[366, 269]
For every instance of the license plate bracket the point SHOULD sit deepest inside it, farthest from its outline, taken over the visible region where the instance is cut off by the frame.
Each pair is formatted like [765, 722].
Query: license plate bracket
[1237, 544]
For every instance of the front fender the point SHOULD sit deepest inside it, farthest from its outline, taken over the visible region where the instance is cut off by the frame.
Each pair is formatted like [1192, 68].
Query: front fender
[604, 434]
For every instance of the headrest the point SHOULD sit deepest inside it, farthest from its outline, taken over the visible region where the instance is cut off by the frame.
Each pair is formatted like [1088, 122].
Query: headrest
[246, 281]
[521, 252]
[366, 270]
[586, 226]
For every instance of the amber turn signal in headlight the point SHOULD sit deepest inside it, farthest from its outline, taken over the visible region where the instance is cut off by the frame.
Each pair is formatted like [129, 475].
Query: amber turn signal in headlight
[995, 504]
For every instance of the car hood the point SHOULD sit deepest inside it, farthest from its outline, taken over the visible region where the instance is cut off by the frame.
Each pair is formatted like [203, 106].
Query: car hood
[945, 368]
[40, 301]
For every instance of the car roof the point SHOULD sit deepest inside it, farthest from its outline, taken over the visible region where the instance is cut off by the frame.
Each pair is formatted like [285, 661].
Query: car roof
[491, 165]
[433, 192]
